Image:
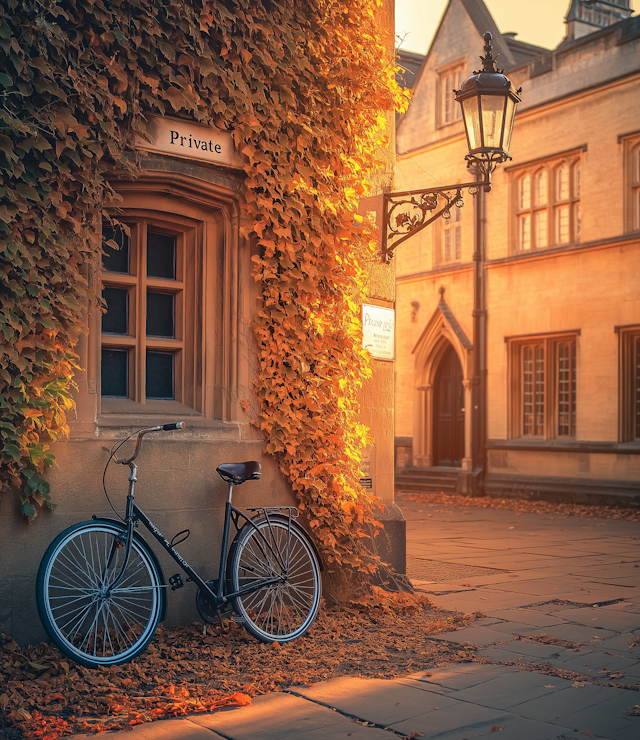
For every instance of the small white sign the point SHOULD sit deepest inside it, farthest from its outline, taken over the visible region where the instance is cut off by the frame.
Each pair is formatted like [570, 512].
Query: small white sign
[190, 141]
[378, 331]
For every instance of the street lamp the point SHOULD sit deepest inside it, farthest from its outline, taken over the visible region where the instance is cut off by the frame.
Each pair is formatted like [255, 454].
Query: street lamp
[488, 101]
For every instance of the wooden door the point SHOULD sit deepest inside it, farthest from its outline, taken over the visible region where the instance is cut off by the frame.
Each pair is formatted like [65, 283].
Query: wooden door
[448, 427]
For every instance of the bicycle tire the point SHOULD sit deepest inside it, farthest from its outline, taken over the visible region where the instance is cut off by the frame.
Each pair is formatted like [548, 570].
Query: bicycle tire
[283, 611]
[74, 574]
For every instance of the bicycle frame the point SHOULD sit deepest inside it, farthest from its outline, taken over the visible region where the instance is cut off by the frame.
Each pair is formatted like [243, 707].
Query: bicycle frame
[134, 515]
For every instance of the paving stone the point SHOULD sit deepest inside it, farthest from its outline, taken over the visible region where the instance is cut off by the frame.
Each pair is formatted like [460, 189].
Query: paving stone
[500, 655]
[461, 676]
[621, 643]
[375, 700]
[538, 650]
[618, 621]
[284, 717]
[474, 635]
[166, 729]
[577, 632]
[510, 627]
[557, 706]
[459, 720]
[531, 617]
[506, 692]
[628, 733]
[597, 660]
[605, 718]
[516, 728]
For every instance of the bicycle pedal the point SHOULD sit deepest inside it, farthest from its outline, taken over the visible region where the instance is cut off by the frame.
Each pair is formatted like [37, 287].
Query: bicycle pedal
[176, 582]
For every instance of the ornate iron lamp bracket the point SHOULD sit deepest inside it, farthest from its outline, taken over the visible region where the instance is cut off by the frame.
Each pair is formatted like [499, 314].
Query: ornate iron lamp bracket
[406, 213]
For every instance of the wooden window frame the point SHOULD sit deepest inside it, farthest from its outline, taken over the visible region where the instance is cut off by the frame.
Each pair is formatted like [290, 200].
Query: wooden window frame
[186, 351]
[629, 382]
[449, 78]
[531, 211]
[549, 345]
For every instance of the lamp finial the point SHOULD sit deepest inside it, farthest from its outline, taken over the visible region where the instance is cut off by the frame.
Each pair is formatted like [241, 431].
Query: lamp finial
[488, 61]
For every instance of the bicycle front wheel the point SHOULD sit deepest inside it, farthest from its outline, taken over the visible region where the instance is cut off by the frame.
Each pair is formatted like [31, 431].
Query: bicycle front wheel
[90, 624]
[283, 560]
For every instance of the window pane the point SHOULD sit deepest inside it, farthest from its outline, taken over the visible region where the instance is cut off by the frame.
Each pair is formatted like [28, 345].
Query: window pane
[447, 245]
[541, 239]
[564, 390]
[159, 375]
[562, 225]
[115, 373]
[525, 192]
[577, 220]
[539, 391]
[115, 260]
[527, 391]
[572, 431]
[116, 319]
[457, 241]
[576, 180]
[524, 232]
[541, 187]
[161, 255]
[447, 109]
[562, 182]
[160, 314]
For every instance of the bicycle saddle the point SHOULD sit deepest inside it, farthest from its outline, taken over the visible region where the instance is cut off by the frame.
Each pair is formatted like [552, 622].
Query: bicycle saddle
[237, 473]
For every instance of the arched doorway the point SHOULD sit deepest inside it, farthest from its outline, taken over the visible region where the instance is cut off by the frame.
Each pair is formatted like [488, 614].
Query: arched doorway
[448, 412]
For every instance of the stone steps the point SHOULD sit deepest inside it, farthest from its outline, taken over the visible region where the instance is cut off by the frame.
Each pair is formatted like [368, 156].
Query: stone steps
[427, 480]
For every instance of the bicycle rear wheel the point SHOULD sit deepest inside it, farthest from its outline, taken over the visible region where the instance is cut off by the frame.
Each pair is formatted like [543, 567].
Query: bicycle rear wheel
[283, 610]
[89, 625]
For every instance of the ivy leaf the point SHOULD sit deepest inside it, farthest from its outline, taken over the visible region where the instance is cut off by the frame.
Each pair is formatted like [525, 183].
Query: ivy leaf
[5, 80]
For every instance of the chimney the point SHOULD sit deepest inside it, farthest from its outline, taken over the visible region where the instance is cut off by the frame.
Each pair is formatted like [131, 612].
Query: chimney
[588, 16]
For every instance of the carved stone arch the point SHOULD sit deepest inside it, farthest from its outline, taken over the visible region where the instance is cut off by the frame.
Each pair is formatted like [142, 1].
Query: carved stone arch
[441, 332]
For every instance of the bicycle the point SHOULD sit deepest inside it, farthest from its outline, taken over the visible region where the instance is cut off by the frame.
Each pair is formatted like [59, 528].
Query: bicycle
[101, 592]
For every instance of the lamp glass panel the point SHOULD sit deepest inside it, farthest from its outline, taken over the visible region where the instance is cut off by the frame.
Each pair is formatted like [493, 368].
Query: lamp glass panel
[492, 120]
[472, 122]
[509, 117]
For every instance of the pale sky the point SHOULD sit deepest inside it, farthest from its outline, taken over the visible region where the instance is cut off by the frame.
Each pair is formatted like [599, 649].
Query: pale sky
[539, 22]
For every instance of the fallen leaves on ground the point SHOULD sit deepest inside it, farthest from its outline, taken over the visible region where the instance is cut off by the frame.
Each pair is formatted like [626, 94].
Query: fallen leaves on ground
[186, 670]
[523, 505]
[546, 639]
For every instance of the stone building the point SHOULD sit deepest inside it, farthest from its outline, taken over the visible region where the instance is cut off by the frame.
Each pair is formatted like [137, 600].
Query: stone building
[557, 247]
[176, 343]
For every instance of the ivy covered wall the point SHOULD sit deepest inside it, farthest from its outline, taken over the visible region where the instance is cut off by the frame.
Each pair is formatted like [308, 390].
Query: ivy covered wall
[305, 89]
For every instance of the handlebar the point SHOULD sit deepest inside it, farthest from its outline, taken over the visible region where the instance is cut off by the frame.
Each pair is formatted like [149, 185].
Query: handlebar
[142, 432]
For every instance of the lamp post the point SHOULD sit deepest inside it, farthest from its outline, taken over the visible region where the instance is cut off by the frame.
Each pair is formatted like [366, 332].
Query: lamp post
[488, 100]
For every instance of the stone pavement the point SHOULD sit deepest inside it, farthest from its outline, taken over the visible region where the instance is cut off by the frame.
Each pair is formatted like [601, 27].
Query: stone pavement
[557, 594]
